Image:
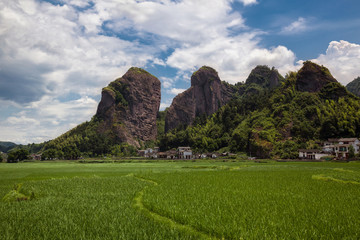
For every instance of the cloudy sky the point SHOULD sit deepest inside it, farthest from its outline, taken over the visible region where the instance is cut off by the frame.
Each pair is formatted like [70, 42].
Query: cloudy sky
[56, 55]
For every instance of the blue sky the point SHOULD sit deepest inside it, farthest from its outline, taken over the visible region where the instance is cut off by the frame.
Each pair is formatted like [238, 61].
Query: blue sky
[56, 55]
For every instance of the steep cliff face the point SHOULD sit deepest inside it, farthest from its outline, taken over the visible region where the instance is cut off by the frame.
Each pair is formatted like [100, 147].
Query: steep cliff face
[205, 96]
[265, 77]
[312, 78]
[129, 106]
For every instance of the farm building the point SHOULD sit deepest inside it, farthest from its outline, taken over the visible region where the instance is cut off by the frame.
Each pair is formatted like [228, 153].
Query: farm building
[149, 152]
[171, 154]
[312, 154]
[338, 148]
[184, 153]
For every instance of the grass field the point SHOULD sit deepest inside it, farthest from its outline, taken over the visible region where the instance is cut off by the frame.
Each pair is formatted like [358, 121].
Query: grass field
[180, 200]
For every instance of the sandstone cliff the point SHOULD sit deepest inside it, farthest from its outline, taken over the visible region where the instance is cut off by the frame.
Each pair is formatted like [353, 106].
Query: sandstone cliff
[129, 106]
[312, 77]
[205, 96]
[265, 77]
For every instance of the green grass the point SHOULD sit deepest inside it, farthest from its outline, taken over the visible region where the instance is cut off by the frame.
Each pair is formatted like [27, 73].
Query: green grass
[181, 200]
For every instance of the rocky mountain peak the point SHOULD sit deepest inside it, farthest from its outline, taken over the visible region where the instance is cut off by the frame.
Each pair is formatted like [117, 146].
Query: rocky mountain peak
[205, 96]
[313, 77]
[204, 76]
[264, 76]
[129, 106]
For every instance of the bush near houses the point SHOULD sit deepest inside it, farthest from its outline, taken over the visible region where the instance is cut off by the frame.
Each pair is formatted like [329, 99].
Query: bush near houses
[18, 155]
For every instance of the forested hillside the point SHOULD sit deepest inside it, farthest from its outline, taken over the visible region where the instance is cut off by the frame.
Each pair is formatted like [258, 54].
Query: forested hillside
[276, 122]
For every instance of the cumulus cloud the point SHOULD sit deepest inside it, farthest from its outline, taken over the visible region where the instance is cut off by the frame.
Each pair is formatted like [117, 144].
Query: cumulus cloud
[45, 119]
[185, 21]
[343, 60]
[44, 47]
[232, 57]
[48, 51]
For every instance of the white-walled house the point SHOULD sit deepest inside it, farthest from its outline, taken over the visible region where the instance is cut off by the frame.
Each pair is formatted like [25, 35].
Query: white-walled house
[340, 147]
[184, 153]
[312, 154]
[149, 152]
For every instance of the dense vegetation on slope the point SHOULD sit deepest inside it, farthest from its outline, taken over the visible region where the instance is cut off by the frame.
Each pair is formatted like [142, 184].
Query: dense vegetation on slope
[86, 140]
[273, 123]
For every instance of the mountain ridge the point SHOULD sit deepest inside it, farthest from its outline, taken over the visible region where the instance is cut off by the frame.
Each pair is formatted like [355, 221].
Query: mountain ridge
[267, 116]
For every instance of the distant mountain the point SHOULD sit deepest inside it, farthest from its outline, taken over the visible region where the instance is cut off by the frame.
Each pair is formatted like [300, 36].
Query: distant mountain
[7, 146]
[354, 86]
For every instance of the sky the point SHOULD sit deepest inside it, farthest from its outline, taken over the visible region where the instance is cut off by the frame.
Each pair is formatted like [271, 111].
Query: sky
[57, 55]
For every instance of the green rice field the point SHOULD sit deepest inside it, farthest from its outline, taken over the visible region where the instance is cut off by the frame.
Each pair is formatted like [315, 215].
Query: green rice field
[180, 200]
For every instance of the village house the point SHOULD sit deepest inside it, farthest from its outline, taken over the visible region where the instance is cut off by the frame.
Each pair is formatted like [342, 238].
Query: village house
[171, 154]
[184, 153]
[338, 148]
[36, 156]
[213, 155]
[312, 154]
[149, 152]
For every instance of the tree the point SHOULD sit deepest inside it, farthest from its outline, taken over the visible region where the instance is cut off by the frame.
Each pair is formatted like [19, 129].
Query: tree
[351, 152]
[49, 154]
[18, 155]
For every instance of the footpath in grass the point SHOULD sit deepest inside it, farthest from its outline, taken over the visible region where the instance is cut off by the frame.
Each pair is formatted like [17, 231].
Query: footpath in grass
[181, 200]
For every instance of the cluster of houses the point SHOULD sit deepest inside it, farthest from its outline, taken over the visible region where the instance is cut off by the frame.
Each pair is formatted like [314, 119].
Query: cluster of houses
[334, 148]
[179, 153]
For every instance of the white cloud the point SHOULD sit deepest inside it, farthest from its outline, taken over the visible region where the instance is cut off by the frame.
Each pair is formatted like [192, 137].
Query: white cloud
[163, 106]
[300, 25]
[22, 120]
[343, 60]
[248, 2]
[232, 57]
[176, 91]
[78, 3]
[56, 54]
[186, 21]
[167, 82]
[45, 119]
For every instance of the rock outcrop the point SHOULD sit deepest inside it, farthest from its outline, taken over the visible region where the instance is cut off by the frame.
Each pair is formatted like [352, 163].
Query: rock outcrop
[129, 106]
[312, 77]
[205, 96]
[264, 77]
[354, 87]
